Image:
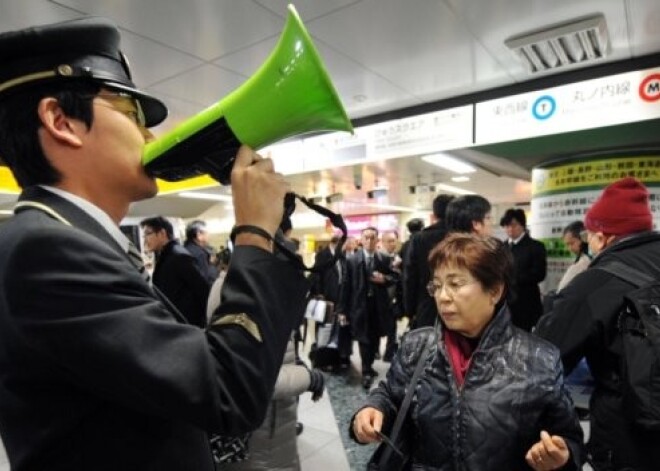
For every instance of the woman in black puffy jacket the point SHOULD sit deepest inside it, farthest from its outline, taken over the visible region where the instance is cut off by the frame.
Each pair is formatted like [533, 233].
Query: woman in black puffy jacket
[491, 396]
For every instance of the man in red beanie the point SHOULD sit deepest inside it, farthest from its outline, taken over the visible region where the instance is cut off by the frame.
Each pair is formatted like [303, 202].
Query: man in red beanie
[583, 322]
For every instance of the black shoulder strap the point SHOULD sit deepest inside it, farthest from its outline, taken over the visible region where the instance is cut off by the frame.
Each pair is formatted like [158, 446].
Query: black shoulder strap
[626, 273]
[405, 405]
[335, 219]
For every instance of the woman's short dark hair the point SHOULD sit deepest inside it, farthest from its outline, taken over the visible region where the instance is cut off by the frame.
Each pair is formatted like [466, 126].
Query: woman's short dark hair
[574, 229]
[20, 146]
[486, 258]
[464, 210]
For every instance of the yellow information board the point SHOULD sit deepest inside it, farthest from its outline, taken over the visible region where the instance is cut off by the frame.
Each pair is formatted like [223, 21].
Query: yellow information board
[9, 186]
[590, 174]
[7, 183]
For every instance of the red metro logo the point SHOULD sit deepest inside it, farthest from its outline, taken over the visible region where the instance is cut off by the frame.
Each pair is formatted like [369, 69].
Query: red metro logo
[649, 89]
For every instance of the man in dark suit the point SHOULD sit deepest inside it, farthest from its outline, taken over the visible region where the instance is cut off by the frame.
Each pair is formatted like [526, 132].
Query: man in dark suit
[419, 306]
[197, 245]
[365, 301]
[414, 226]
[98, 372]
[175, 274]
[530, 269]
[327, 285]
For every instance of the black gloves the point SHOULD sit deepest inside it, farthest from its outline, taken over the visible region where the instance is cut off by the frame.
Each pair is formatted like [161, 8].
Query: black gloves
[316, 384]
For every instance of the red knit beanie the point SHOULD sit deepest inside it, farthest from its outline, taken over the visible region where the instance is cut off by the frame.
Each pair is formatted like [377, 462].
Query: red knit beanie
[622, 209]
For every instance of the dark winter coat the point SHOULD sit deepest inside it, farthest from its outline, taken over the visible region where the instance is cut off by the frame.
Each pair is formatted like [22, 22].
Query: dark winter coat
[530, 269]
[416, 274]
[583, 324]
[513, 389]
[178, 278]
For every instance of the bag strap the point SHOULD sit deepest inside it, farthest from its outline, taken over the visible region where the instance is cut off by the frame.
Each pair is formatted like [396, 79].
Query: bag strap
[626, 273]
[405, 405]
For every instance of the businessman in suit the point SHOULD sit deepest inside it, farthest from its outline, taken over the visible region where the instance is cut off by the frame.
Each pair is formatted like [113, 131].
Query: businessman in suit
[327, 284]
[365, 301]
[176, 273]
[97, 370]
[530, 269]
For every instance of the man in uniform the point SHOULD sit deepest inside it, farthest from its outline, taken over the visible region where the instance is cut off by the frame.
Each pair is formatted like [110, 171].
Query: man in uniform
[96, 370]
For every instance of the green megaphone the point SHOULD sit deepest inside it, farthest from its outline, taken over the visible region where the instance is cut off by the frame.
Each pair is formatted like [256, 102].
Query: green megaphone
[290, 94]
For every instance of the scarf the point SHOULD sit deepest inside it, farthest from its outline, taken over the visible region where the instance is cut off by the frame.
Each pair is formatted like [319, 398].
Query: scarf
[459, 350]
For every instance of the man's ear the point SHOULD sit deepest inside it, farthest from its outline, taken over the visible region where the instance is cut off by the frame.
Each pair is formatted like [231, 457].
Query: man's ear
[58, 125]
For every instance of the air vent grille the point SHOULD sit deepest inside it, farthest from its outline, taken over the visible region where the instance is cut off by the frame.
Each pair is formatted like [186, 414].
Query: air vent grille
[576, 42]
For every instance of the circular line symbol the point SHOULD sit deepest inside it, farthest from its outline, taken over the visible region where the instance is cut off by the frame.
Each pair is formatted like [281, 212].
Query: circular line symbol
[544, 107]
[649, 89]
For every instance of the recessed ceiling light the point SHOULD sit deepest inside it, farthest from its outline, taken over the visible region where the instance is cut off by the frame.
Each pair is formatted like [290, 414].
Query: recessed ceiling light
[206, 196]
[460, 179]
[449, 163]
[453, 189]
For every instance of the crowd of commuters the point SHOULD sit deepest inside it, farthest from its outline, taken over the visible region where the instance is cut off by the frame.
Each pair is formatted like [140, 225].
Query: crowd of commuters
[160, 368]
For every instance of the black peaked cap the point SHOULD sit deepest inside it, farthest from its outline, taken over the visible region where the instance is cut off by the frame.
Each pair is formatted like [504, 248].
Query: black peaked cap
[80, 49]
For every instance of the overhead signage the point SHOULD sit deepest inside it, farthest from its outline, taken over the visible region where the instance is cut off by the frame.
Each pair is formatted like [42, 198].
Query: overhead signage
[617, 99]
[422, 134]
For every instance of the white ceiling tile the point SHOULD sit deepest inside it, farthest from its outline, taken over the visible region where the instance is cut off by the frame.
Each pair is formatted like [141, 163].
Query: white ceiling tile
[419, 47]
[307, 9]
[178, 111]
[205, 85]
[248, 60]
[204, 28]
[151, 62]
[491, 23]
[22, 14]
[361, 91]
[645, 26]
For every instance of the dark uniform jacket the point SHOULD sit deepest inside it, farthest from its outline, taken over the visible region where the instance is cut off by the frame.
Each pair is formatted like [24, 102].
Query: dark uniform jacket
[96, 373]
[176, 275]
[583, 324]
[354, 293]
[526, 306]
[513, 389]
[416, 275]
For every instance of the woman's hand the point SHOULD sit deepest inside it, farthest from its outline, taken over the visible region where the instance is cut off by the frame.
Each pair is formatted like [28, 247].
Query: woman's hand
[551, 452]
[366, 423]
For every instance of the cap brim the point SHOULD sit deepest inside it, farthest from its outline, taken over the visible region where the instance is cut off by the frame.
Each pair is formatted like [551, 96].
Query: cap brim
[154, 110]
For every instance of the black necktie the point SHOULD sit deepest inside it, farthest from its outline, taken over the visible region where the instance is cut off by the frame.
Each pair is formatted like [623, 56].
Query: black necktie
[137, 261]
[370, 264]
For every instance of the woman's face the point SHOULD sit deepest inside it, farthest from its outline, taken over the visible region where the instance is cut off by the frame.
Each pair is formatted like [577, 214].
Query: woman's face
[572, 243]
[463, 304]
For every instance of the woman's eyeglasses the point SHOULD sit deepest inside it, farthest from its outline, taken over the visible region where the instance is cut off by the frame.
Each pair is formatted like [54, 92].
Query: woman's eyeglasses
[452, 286]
